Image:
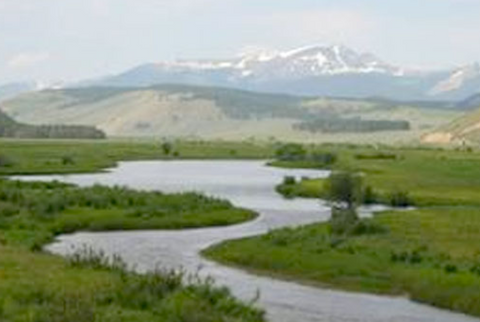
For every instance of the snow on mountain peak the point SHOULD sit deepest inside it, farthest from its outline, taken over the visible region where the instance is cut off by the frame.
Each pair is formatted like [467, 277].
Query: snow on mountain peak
[309, 61]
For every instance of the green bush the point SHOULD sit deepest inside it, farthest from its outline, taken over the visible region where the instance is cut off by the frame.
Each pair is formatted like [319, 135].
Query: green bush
[400, 199]
[291, 152]
[289, 180]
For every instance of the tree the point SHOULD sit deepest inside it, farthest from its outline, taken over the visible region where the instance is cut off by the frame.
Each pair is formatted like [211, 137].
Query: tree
[345, 189]
[291, 152]
[167, 148]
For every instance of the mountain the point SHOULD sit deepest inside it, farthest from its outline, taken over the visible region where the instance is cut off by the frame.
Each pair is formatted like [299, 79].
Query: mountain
[308, 71]
[186, 111]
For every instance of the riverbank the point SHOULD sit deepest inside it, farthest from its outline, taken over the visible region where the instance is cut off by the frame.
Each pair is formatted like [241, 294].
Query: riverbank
[429, 177]
[23, 157]
[429, 254]
[42, 287]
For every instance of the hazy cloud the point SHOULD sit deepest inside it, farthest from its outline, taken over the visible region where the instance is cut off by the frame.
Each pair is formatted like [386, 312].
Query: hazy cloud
[26, 60]
[329, 26]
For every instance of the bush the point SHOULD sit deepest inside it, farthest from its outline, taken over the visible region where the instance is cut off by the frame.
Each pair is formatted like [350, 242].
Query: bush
[167, 148]
[369, 196]
[68, 160]
[289, 180]
[291, 152]
[324, 158]
[367, 227]
[400, 199]
[377, 156]
[343, 221]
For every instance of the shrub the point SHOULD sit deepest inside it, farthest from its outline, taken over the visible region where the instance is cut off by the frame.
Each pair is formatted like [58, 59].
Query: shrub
[400, 199]
[342, 221]
[450, 269]
[167, 148]
[369, 196]
[289, 180]
[367, 227]
[68, 160]
[377, 156]
[291, 152]
[324, 158]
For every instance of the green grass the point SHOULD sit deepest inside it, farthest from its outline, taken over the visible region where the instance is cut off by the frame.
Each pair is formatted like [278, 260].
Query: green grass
[39, 287]
[44, 288]
[431, 177]
[33, 213]
[433, 255]
[69, 156]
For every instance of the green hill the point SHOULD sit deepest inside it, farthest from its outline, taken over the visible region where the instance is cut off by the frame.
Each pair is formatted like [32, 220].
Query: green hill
[9, 128]
[219, 113]
[465, 129]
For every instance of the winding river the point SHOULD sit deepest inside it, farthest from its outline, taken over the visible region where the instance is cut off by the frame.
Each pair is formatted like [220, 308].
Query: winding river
[248, 184]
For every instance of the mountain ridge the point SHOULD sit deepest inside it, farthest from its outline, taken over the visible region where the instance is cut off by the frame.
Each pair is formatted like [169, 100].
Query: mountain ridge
[308, 71]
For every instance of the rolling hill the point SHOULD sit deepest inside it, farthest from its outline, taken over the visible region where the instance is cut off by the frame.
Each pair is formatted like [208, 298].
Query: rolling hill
[9, 128]
[181, 111]
[463, 130]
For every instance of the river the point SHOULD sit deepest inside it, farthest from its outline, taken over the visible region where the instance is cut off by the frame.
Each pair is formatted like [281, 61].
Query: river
[247, 184]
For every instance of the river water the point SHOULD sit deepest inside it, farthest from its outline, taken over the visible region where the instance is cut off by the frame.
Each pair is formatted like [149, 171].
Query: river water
[247, 184]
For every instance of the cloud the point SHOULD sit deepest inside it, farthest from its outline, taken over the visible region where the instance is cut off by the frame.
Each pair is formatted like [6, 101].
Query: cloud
[329, 26]
[27, 60]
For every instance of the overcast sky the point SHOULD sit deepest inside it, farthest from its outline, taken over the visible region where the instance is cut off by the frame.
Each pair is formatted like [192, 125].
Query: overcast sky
[75, 39]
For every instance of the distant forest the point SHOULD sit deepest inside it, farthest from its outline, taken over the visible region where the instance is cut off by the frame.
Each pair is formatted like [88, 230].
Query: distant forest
[9, 128]
[352, 125]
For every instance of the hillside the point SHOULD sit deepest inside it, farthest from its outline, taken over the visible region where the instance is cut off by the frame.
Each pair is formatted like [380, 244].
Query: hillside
[220, 113]
[9, 128]
[465, 129]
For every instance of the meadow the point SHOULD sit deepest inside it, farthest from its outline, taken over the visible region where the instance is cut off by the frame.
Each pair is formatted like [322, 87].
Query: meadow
[430, 254]
[429, 176]
[36, 286]
[80, 156]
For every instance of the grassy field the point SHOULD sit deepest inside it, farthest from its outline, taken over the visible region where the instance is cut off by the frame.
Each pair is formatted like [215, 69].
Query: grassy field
[432, 255]
[47, 156]
[430, 177]
[44, 288]
[40, 287]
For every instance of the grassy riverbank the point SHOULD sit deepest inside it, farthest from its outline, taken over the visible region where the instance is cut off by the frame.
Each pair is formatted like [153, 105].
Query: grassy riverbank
[33, 213]
[44, 288]
[429, 177]
[40, 287]
[430, 254]
[68, 156]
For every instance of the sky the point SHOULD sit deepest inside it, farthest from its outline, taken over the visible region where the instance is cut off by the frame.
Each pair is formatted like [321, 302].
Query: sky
[69, 40]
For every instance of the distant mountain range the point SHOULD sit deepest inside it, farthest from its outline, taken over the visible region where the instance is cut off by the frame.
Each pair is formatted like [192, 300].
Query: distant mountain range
[310, 71]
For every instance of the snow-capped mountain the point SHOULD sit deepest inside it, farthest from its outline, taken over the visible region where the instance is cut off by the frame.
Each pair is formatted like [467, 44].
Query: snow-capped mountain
[313, 70]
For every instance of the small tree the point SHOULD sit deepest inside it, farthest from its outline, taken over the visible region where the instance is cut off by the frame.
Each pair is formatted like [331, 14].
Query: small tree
[345, 189]
[167, 148]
